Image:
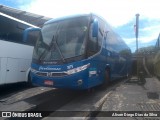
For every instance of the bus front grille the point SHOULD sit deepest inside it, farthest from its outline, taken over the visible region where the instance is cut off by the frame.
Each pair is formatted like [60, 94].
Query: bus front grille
[51, 74]
[58, 74]
[42, 73]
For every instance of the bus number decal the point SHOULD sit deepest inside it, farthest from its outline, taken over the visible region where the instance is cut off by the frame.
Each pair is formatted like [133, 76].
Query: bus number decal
[69, 66]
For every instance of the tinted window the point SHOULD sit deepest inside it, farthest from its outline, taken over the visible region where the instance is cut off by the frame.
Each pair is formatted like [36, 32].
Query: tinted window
[11, 31]
[95, 44]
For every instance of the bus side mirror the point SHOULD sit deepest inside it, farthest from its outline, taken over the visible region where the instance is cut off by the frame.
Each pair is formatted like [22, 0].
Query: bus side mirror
[95, 28]
[28, 31]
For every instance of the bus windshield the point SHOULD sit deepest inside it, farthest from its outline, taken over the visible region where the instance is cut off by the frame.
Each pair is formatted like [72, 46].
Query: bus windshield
[62, 39]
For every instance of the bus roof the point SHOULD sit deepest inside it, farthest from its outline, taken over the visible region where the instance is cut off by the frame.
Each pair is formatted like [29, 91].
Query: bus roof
[17, 20]
[66, 17]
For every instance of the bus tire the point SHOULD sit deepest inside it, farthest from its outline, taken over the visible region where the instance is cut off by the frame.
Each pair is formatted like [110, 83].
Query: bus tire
[106, 78]
[29, 82]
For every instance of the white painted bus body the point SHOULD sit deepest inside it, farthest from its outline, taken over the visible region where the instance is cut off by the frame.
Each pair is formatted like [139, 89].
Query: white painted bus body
[15, 60]
[15, 55]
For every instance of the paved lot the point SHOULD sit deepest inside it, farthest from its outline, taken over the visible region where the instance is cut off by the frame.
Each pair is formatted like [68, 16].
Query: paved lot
[134, 95]
[126, 95]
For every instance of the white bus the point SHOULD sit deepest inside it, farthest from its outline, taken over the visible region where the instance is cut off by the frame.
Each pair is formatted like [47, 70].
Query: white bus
[15, 55]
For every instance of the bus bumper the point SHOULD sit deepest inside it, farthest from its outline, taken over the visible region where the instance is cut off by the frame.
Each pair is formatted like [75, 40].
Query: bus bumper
[75, 81]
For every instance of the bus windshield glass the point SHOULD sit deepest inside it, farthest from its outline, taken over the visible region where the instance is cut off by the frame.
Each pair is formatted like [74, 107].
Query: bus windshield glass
[62, 39]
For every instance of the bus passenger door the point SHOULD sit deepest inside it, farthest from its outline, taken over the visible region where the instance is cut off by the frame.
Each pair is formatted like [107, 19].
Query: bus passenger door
[11, 71]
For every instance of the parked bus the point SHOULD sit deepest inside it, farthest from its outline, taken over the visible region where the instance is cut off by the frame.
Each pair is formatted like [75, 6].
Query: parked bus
[78, 52]
[15, 55]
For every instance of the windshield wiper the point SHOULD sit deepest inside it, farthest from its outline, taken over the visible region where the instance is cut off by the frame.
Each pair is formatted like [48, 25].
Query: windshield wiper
[50, 46]
[55, 43]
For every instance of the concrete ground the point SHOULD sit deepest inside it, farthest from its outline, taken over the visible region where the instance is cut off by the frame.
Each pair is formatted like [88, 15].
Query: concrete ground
[130, 96]
[134, 95]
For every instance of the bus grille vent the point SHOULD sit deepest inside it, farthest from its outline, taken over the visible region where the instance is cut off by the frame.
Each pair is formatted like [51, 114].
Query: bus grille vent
[51, 74]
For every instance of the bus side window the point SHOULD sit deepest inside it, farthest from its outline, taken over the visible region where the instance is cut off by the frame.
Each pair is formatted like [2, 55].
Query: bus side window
[95, 44]
[100, 33]
[92, 41]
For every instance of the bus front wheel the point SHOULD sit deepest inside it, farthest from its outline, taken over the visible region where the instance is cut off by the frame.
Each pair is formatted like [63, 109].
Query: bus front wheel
[29, 82]
[106, 79]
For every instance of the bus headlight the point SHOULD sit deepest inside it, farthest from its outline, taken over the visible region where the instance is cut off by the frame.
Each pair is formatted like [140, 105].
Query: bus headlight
[78, 69]
[33, 70]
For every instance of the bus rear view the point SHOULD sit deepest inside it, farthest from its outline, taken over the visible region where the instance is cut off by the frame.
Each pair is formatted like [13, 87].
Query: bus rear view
[69, 53]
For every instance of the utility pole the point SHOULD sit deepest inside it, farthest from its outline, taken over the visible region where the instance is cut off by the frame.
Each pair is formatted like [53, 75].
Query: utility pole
[137, 28]
[136, 33]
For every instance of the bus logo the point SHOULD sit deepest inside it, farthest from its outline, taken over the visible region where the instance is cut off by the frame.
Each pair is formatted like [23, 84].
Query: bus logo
[48, 68]
[49, 74]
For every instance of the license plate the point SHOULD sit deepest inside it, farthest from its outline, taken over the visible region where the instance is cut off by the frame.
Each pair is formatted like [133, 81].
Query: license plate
[48, 82]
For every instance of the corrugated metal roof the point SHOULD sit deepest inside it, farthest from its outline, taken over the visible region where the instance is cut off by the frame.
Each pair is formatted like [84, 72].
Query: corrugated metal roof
[31, 18]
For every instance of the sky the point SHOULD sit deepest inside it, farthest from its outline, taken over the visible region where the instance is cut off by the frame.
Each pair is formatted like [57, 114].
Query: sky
[119, 13]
